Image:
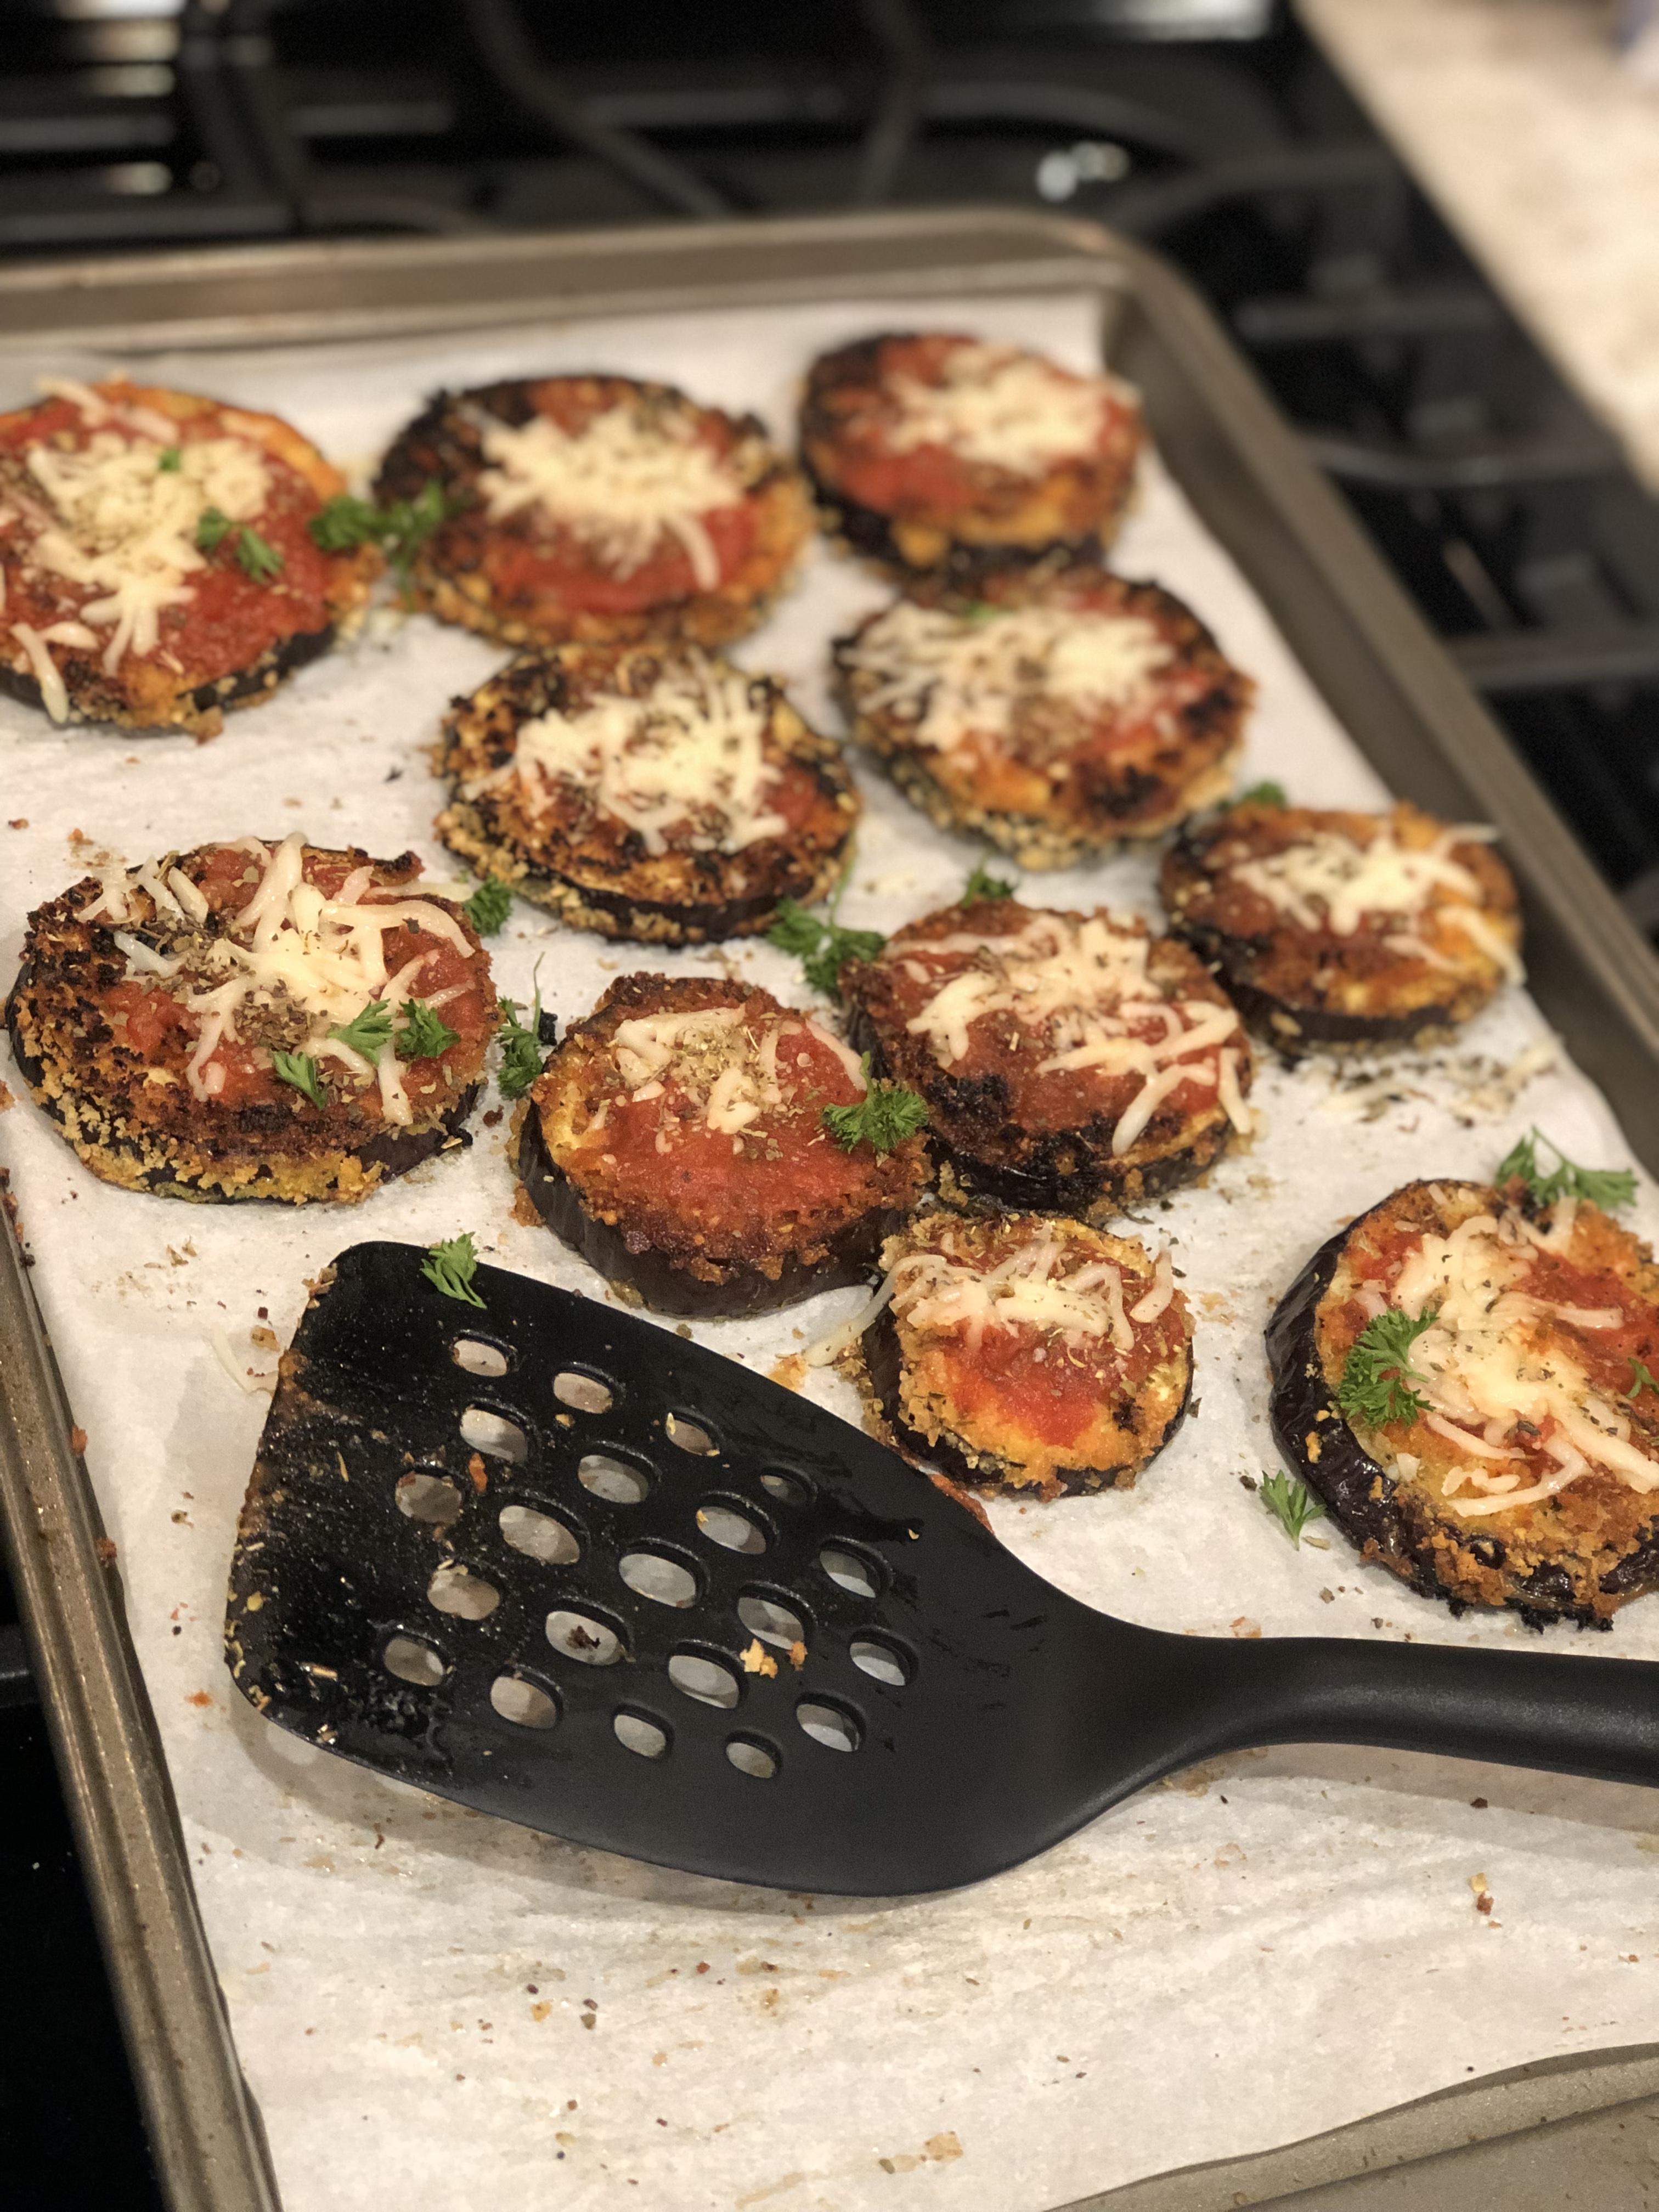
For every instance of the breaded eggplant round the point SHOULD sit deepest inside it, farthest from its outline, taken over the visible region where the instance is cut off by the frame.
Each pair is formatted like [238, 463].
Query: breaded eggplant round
[677, 1138]
[155, 563]
[250, 1021]
[1452, 1375]
[596, 507]
[930, 451]
[649, 791]
[1058, 713]
[1343, 930]
[1070, 1063]
[1029, 1355]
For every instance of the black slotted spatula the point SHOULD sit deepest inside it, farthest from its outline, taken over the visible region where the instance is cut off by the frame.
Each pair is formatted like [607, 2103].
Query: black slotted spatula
[548, 1560]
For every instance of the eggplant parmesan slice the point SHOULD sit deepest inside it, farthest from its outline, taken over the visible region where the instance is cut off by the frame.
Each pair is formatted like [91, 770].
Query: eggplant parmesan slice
[933, 452]
[1058, 713]
[676, 1138]
[1460, 1375]
[1070, 1063]
[155, 563]
[1345, 930]
[646, 791]
[1025, 1354]
[249, 1020]
[596, 508]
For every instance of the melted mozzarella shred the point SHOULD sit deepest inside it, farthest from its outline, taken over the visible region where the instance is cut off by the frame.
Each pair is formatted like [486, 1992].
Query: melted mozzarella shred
[952, 678]
[1484, 1364]
[112, 521]
[324, 956]
[1039, 1285]
[691, 750]
[1330, 881]
[1083, 989]
[729, 1069]
[623, 482]
[1001, 407]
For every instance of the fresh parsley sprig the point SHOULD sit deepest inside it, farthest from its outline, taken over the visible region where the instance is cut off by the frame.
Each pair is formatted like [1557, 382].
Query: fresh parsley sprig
[489, 906]
[823, 948]
[257, 559]
[400, 528]
[521, 1046]
[1376, 1379]
[1291, 1504]
[1262, 794]
[983, 885]
[368, 1031]
[1608, 1187]
[212, 528]
[452, 1266]
[885, 1115]
[425, 1034]
[170, 460]
[1640, 1379]
[300, 1069]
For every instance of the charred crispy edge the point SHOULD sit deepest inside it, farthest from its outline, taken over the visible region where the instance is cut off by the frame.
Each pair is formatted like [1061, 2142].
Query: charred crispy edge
[1098, 1187]
[99, 699]
[394, 1153]
[429, 448]
[1363, 1497]
[884, 1364]
[614, 913]
[666, 1283]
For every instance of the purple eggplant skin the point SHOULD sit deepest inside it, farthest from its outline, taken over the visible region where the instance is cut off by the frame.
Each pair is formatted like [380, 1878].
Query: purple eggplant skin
[1364, 1499]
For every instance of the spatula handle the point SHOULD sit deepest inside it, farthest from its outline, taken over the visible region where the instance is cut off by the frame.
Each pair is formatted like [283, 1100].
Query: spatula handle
[1569, 1716]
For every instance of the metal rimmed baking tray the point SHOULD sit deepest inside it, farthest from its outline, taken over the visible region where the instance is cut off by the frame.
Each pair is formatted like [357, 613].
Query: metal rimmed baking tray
[1356, 636]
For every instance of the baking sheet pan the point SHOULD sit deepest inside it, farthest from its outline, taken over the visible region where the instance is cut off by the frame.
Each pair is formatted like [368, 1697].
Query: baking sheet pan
[1386, 692]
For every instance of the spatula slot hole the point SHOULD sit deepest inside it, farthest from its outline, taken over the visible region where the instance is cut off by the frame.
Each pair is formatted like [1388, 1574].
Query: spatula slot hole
[732, 1531]
[457, 1591]
[525, 1703]
[850, 1571]
[538, 1536]
[773, 1622]
[432, 1499]
[649, 1738]
[413, 1661]
[706, 1680]
[583, 1393]
[495, 1434]
[613, 1480]
[881, 1662]
[579, 1635]
[664, 1581]
[751, 1757]
[690, 1436]
[478, 1357]
[787, 1489]
[830, 1725]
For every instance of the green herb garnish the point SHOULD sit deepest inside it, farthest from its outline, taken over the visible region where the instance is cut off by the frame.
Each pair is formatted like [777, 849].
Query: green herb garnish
[1640, 1380]
[259, 560]
[823, 948]
[424, 1034]
[170, 460]
[1605, 1186]
[982, 610]
[400, 528]
[521, 1047]
[368, 1031]
[980, 885]
[1291, 1504]
[885, 1115]
[211, 529]
[1374, 1388]
[300, 1069]
[1262, 794]
[489, 906]
[451, 1267]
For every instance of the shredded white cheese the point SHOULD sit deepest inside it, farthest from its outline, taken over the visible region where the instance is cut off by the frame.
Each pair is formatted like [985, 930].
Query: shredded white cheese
[688, 755]
[626, 480]
[952, 678]
[730, 1069]
[1046, 1284]
[1003, 407]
